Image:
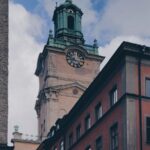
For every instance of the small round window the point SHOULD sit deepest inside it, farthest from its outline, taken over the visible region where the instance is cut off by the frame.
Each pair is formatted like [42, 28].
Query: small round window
[75, 91]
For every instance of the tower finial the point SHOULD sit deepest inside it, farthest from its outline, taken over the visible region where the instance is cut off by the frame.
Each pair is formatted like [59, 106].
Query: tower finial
[51, 34]
[95, 44]
[56, 4]
[16, 127]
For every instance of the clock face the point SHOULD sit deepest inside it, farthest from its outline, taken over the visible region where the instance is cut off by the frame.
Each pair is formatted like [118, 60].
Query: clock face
[75, 58]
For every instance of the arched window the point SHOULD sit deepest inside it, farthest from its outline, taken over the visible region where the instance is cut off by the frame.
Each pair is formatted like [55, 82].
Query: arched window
[70, 22]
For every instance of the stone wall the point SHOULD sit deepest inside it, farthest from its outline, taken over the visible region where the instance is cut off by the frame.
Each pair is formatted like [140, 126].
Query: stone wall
[3, 71]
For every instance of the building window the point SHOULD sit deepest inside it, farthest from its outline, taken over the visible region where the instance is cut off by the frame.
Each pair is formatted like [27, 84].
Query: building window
[53, 132]
[114, 137]
[88, 148]
[98, 111]
[147, 87]
[113, 96]
[55, 148]
[44, 125]
[148, 130]
[62, 145]
[99, 144]
[87, 122]
[78, 132]
[71, 22]
[70, 139]
[41, 131]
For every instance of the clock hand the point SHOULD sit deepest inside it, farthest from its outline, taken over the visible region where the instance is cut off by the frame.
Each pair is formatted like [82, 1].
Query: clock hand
[77, 57]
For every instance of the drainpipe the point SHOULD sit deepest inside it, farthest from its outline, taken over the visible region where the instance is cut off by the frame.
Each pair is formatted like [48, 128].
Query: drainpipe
[140, 99]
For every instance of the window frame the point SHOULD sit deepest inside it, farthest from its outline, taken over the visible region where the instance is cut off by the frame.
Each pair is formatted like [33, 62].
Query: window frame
[78, 132]
[44, 124]
[88, 147]
[114, 137]
[147, 95]
[55, 148]
[113, 94]
[70, 139]
[101, 147]
[87, 123]
[62, 147]
[98, 111]
[146, 128]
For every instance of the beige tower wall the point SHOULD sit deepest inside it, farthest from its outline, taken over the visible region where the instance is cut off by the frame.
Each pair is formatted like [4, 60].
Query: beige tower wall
[60, 72]
[53, 109]
[58, 82]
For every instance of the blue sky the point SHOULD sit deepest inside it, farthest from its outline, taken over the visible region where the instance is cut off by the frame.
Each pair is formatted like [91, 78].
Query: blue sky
[31, 4]
[28, 4]
[110, 21]
[109, 18]
[37, 7]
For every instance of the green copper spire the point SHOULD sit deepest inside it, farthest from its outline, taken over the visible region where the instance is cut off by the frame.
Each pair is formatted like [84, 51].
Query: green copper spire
[67, 20]
[67, 23]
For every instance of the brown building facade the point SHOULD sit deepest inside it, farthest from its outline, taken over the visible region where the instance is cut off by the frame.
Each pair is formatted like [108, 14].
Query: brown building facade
[3, 73]
[114, 112]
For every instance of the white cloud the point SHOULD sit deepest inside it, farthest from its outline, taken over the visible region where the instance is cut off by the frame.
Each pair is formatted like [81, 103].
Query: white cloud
[24, 31]
[124, 17]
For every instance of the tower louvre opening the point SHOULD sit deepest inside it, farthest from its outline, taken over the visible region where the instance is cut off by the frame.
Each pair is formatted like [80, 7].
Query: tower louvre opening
[71, 22]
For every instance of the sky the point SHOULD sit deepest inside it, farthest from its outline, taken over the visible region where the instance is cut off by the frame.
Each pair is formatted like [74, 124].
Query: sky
[109, 21]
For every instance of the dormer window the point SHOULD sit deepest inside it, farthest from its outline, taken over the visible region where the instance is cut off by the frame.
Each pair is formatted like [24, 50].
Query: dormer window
[58, 127]
[53, 132]
[62, 145]
[71, 22]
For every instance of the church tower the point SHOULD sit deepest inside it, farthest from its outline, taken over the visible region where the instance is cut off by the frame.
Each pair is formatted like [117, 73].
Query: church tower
[65, 68]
